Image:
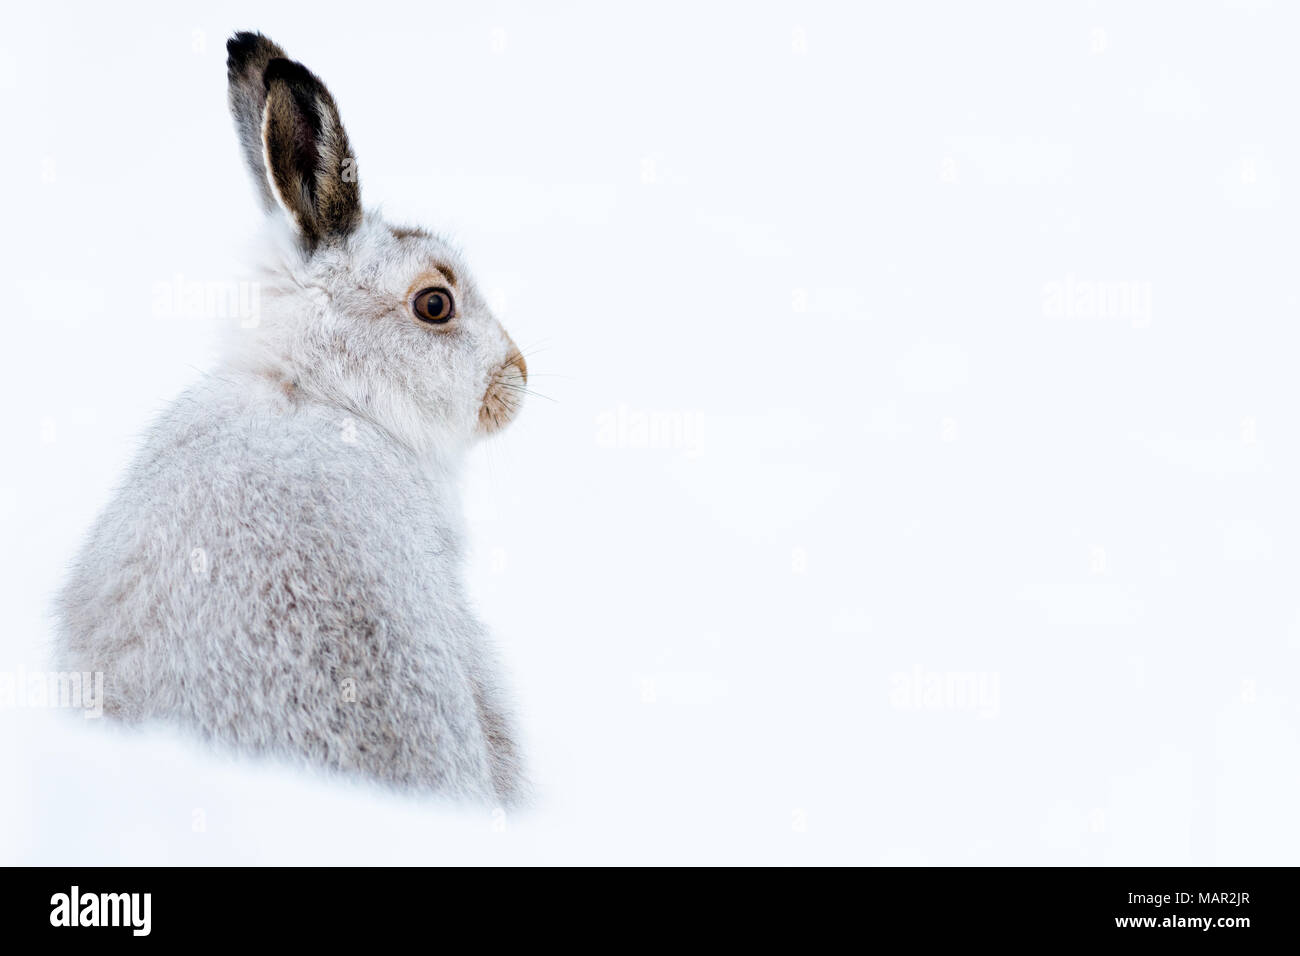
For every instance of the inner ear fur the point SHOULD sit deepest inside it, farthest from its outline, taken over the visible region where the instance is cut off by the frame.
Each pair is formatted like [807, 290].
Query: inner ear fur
[307, 155]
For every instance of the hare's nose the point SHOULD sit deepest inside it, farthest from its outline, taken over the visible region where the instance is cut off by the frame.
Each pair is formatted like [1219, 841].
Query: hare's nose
[516, 359]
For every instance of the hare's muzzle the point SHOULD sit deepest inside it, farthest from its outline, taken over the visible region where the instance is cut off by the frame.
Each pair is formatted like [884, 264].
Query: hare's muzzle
[504, 395]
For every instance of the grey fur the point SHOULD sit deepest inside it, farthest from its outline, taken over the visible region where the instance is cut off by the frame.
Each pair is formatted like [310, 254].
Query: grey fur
[280, 569]
[248, 55]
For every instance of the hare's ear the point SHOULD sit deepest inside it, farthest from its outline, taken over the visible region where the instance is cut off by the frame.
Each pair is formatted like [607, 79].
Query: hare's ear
[302, 153]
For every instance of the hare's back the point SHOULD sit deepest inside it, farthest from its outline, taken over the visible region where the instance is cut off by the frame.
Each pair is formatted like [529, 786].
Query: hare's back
[248, 544]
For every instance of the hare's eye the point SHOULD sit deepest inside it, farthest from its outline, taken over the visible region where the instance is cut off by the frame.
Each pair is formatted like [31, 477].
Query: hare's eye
[433, 305]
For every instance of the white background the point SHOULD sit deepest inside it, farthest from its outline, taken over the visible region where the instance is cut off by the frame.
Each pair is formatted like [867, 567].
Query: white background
[826, 241]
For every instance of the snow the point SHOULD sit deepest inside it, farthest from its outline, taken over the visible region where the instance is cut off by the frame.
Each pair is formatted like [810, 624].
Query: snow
[825, 448]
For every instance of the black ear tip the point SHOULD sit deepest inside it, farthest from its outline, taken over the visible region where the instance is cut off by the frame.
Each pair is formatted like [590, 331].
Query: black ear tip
[291, 72]
[244, 46]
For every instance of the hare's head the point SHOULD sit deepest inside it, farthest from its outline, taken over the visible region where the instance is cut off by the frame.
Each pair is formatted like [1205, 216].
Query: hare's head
[382, 320]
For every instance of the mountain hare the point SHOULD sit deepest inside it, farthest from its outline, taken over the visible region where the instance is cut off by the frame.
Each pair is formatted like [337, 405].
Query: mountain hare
[280, 569]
